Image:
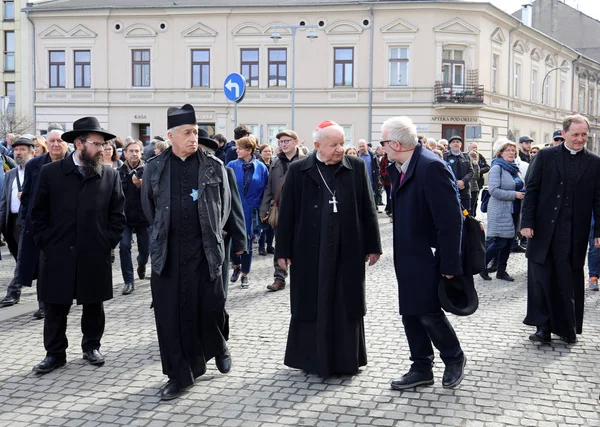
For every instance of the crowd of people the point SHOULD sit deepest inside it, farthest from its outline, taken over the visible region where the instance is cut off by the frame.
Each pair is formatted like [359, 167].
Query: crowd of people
[197, 203]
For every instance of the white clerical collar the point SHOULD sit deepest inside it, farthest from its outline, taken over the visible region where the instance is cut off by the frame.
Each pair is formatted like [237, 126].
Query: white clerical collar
[570, 150]
[319, 159]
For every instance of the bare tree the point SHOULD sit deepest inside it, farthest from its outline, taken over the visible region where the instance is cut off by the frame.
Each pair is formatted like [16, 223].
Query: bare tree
[12, 122]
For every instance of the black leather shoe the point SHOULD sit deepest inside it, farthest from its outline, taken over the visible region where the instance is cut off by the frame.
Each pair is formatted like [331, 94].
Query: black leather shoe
[128, 288]
[141, 271]
[40, 313]
[518, 249]
[236, 274]
[94, 357]
[413, 379]
[223, 362]
[540, 336]
[453, 374]
[270, 250]
[8, 301]
[493, 266]
[171, 391]
[569, 340]
[262, 251]
[484, 275]
[49, 364]
[504, 276]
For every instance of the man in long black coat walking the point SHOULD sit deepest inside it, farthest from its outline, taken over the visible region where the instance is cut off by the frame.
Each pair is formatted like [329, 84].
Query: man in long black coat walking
[563, 190]
[327, 230]
[187, 198]
[77, 219]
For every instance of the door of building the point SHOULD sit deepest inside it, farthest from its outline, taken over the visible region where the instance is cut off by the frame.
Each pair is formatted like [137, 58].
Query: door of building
[449, 131]
[144, 133]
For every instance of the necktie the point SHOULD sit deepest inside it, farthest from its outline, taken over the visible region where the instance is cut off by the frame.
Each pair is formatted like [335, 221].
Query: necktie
[401, 177]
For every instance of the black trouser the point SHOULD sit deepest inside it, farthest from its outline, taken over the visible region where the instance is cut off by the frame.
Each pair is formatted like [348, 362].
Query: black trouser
[55, 328]
[474, 200]
[12, 235]
[388, 198]
[421, 331]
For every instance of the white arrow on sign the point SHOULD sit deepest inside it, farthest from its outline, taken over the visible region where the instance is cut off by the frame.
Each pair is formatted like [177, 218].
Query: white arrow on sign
[231, 85]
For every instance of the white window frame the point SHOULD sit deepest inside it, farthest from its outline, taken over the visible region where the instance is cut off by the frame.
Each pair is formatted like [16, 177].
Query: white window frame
[534, 75]
[273, 130]
[517, 80]
[394, 81]
[495, 72]
[348, 135]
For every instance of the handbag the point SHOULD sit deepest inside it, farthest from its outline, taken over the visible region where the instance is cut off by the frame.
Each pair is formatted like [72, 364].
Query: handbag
[273, 215]
[473, 246]
[485, 199]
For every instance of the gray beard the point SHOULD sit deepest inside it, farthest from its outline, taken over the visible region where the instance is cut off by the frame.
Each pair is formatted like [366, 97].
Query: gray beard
[21, 161]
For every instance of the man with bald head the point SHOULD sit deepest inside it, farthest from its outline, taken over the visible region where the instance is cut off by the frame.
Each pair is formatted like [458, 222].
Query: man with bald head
[28, 256]
[327, 230]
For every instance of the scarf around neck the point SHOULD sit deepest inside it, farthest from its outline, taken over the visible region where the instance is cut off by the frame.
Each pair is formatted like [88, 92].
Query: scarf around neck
[511, 167]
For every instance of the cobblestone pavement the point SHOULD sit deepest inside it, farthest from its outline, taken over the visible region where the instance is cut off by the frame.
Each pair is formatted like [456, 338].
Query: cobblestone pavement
[509, 381]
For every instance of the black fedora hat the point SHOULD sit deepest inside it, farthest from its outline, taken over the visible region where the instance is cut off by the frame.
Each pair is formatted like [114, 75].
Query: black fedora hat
[458, 295]
[85, 125]
[205, 140]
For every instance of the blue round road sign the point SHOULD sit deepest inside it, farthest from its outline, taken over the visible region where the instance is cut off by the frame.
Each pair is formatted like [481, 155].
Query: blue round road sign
[234, 87]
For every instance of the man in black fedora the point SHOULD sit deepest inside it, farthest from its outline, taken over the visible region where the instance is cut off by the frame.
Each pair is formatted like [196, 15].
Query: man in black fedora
[188, 199]
[77, 219]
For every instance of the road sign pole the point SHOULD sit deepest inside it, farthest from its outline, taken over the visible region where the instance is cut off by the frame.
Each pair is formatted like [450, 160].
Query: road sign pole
[235, 114]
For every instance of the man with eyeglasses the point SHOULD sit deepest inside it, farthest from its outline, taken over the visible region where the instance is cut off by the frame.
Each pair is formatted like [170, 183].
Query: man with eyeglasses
[77, 218]
[28, 256]
[288, 145]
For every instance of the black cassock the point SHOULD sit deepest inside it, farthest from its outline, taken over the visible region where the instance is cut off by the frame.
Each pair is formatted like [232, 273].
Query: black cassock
[191, 321]
[555, 289]
[334, 343]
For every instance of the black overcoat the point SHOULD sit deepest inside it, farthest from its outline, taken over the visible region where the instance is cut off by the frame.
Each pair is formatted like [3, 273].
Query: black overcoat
[298, 232]
[76, 222]
[544, 193]
[28, 252]
[427, 231]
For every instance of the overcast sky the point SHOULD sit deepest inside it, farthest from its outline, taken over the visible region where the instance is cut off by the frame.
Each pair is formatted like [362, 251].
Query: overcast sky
[589, 7]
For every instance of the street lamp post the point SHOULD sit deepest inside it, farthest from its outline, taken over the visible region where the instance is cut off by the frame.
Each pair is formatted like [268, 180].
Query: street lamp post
[564, 67]
[312, 34]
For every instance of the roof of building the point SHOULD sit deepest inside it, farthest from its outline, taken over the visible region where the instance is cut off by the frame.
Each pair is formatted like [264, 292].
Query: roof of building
[47, 5]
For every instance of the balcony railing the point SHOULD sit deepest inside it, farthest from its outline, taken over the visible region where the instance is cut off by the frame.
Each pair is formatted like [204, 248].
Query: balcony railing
[458, 94]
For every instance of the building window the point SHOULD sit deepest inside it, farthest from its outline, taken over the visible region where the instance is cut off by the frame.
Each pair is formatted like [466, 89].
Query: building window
[57, 68]
[256, 131]
[590, 110]
[9, 51]
[548, 91]
[277, 67]
[495, 71]
[533, 85]
[141, 68]
[581, 99]
[249, 66]
[83, 68]
[9, 90]
[9, 10]
[453, 68]
[517, 81]
[272, 131]
[200, 68]
[343, 66]
[562, 94]
[347, 136]
[399, 66]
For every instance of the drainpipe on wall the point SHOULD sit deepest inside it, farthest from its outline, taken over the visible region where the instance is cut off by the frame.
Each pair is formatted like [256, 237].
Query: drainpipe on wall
[509, 74]
[27, 13]
[370, 109]
[573, 80]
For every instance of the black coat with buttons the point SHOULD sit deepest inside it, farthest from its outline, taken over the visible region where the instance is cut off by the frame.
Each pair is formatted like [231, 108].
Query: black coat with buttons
[544, 193]
[76, 222]
[298, 232]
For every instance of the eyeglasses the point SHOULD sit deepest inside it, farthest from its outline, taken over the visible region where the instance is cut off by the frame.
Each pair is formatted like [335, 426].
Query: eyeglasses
[99, 144]
[385, 141]
[285, 141]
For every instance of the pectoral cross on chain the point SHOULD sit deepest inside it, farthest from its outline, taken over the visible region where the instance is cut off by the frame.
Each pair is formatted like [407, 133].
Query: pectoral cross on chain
[334, 202]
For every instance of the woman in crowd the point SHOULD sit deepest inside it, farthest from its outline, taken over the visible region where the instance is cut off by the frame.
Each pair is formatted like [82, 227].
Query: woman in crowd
[386, 182]
[268, 233]
[251, 176]
[110, 155]
[160, 146]
[507, 190]
[474, 157]
[534, 150]
[351, 151]
[40, 146]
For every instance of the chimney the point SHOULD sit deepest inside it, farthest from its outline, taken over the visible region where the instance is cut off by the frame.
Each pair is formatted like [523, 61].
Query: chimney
[526, 14]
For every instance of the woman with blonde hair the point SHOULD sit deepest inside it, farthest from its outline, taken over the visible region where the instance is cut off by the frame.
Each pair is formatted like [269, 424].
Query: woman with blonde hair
[40, 146]
[507, 189]
[351, 151]
[251, 177]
